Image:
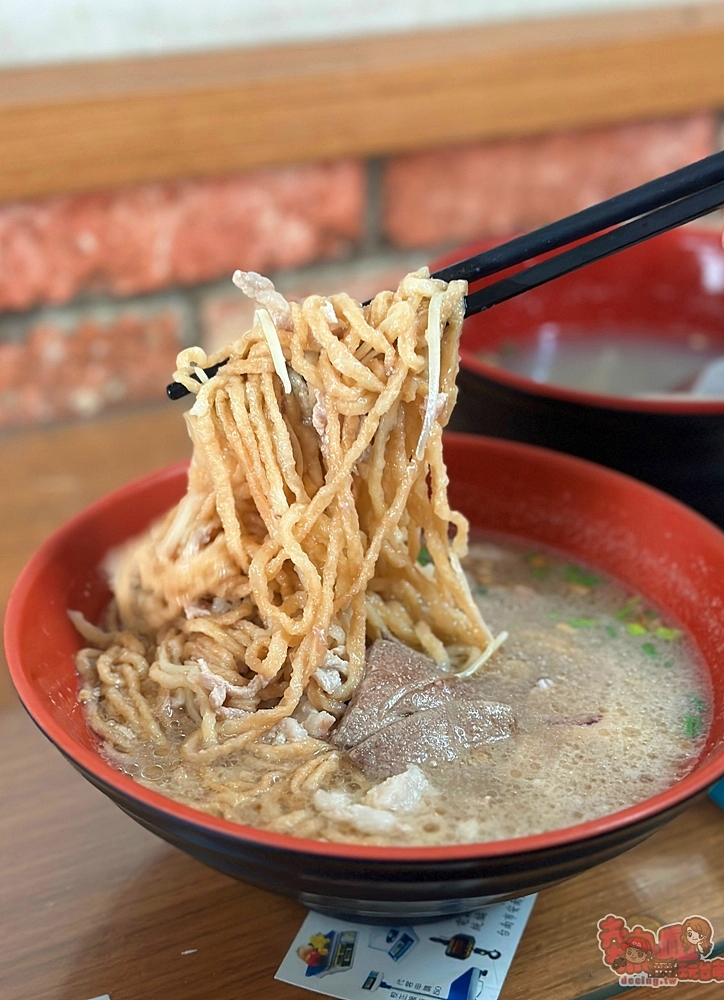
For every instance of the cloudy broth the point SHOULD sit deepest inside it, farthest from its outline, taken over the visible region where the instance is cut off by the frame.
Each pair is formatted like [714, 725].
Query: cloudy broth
[610, 705]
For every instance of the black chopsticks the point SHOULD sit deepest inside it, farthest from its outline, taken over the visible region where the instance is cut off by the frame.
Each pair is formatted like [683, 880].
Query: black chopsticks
[643, 228]
[654, 207]
[622, 207]
[174, 390]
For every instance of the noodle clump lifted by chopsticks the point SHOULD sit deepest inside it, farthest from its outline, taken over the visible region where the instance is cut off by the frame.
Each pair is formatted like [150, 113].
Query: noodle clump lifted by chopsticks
[316, 520]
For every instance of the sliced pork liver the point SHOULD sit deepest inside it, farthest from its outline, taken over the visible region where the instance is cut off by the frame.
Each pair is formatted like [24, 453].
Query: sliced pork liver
[438, 734]
[407, 711]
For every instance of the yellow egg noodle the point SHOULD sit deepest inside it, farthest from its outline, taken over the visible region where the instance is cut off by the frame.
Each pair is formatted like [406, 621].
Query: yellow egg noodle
[316, 520]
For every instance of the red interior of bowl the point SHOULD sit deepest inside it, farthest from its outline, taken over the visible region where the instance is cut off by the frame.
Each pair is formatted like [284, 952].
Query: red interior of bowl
[66, 574]
[668, 288]
[647, 540]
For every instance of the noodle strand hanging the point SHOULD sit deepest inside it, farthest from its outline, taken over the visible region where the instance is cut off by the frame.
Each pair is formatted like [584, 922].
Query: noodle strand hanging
[316, 521]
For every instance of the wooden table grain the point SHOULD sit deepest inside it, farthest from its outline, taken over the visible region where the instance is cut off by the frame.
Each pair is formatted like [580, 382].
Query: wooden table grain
[91, 903]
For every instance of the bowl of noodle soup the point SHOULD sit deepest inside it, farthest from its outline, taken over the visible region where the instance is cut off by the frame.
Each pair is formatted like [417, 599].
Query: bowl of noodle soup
[594, 515]
[352, 571]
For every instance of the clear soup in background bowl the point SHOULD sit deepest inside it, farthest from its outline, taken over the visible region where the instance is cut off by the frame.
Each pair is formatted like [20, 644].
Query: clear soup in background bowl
[635, 363]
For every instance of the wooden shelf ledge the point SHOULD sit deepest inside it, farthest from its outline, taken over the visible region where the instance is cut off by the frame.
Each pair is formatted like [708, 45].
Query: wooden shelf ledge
[98, 125]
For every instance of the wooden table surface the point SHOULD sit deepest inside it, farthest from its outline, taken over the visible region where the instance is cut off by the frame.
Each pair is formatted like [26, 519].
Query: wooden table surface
[91, 903]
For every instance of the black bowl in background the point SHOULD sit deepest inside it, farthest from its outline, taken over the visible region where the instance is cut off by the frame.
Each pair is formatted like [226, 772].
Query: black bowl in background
[670, 288]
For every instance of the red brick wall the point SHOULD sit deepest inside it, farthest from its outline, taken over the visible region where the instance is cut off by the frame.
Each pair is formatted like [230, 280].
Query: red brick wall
[98, 292]
[461, 193]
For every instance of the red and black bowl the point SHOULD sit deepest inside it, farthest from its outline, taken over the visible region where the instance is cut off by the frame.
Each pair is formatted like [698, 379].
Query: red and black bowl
[669, 290]
[646, 540]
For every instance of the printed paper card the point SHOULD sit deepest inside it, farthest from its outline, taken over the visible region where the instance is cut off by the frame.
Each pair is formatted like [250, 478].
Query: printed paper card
[461, 958]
